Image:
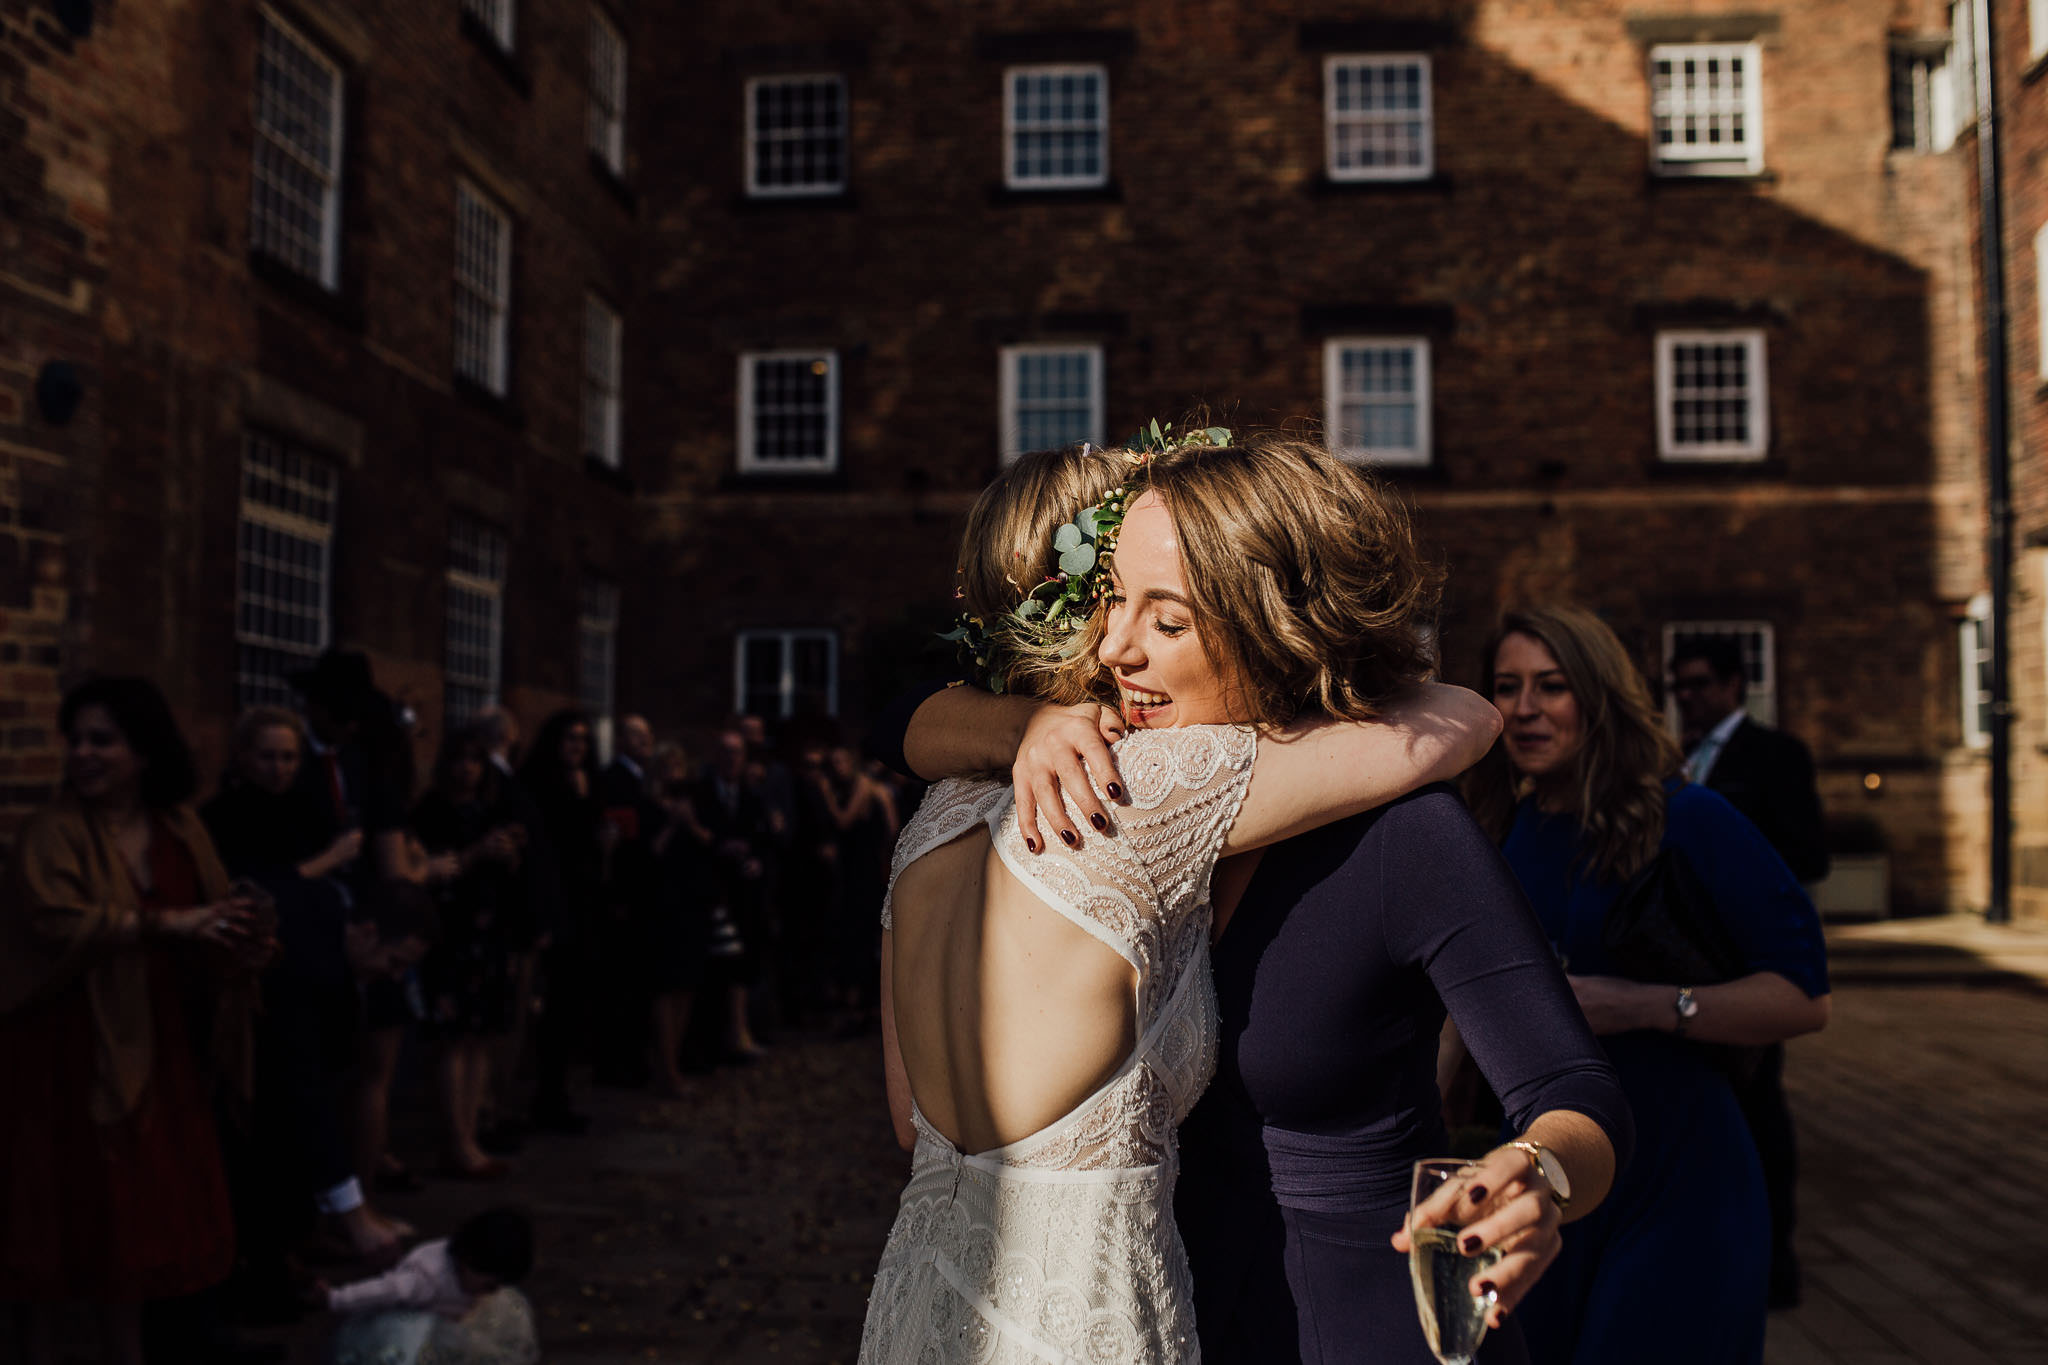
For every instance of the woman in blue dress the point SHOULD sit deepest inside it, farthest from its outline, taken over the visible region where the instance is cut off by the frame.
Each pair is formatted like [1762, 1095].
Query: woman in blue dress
[1583, 792]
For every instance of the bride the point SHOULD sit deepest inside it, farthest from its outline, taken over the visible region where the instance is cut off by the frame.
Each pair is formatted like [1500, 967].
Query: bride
[1048, 1016]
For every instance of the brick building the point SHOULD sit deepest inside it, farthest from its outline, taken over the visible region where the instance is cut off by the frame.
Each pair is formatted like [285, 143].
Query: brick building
[310, 334]
[1662, 307]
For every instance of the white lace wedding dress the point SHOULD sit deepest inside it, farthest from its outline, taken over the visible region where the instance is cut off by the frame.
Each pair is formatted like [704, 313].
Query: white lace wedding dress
[1060, 1248]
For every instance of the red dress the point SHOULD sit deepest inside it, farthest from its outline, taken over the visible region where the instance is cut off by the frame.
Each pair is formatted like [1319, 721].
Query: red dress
[122, 1213]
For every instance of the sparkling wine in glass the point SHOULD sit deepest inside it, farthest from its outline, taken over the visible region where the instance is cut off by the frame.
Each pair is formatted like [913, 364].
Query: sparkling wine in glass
[1453, 1317]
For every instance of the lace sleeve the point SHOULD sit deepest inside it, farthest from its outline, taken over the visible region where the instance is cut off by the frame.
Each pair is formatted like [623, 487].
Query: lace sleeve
[1186, 786]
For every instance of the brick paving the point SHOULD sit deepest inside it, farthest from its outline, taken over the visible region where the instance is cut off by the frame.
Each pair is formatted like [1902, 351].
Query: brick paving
[742, 1224]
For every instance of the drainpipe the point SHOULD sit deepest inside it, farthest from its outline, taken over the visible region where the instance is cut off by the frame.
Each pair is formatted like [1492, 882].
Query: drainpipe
[1997, 474]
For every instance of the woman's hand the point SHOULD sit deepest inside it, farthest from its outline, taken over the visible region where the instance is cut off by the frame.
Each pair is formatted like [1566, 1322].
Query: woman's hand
[1063, 746]
[1505, 1205]
[224, 924]
[1614, 1005]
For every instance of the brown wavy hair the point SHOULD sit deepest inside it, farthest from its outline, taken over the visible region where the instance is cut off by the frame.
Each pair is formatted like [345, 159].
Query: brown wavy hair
[1614, 784]
[1306, 583]
[1007, 550]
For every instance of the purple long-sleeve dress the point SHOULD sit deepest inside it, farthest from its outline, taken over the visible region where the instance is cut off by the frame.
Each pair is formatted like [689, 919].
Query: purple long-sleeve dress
[1333, 977]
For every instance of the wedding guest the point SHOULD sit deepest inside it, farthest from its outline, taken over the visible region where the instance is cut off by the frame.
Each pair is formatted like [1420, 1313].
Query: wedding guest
[742, 827]
[465, 974]
[116, 928]
[561, 779]
[621, 1013]
[282, 836]
[530, 900]
[1584, 792]
[678, 926]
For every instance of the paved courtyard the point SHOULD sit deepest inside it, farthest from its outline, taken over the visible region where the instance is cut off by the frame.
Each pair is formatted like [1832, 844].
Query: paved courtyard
[742, 1224]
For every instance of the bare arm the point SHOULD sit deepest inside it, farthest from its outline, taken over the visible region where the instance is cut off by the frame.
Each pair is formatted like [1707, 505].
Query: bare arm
[1750, 1011]
[895, 1078]
[1313, 773]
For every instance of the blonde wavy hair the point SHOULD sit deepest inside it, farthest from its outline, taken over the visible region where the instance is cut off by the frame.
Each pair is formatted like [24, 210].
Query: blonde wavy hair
[1007, 551]
[1614, 784]
[1305, 580]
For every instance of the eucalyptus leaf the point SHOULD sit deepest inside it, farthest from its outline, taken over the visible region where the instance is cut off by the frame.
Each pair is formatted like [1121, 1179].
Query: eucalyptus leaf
[1030, 609]
[1090, 527]
[1219, 436]
[1066, 538]
[1078, 560]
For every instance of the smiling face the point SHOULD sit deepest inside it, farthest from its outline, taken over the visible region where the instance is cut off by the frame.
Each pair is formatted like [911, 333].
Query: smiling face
[1540, 718]
[1164, 675]
[99, 762]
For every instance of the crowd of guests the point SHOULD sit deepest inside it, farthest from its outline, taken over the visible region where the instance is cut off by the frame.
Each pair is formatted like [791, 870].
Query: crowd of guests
[205, 1007]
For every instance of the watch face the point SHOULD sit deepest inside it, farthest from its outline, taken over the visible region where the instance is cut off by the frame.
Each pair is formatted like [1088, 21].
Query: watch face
[1553, 1171]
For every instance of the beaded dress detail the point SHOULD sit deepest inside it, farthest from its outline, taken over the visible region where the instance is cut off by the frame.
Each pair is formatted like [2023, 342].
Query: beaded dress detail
[1060, 1248]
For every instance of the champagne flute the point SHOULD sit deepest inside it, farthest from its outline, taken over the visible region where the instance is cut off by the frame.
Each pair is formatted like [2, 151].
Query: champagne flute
[1453, 1317]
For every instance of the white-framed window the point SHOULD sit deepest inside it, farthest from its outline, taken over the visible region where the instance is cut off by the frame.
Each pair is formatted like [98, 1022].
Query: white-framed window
[483, 288]
[295, 190]
[607, 117]
[475, 619]
[789, 412]
[284, 557]
[1706, 109]
[597, 644]
[796, 135]
[782, 673]
[1711, 396]
[1055, 127]
[1923, 99]
[2041, 299]
[1376, 399]
[603, 354]
[1758, 643]
[1051, 396]
[1973, 636]
[497, 18]
[1378, 117]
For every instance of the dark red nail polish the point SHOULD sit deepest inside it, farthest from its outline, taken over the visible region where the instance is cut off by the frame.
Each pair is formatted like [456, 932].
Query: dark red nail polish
[1477, 1194]
[1031, 843]
[1067, 837]
[1116, 793]
[1098, 822]
[1487, 1289]
[1472, 1245]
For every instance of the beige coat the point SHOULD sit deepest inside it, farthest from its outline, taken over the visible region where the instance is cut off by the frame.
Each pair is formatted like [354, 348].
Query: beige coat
[66, 896]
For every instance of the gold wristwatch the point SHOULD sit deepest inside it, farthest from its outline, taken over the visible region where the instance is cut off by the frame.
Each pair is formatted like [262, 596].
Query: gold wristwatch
[1552, 1170]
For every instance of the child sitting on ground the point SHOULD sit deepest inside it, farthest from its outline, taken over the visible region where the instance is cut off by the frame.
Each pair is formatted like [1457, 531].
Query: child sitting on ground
[448, 1276]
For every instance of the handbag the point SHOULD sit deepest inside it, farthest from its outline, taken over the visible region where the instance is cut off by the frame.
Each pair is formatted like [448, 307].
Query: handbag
[1664, 928]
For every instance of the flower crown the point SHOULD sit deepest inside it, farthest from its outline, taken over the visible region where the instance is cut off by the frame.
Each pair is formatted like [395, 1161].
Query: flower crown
[1062, 603]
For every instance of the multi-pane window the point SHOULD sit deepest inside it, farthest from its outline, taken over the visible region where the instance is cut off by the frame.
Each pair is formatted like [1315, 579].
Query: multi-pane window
[1923, 99]
[607, 116]
[597, 640]
[2041, 298]
[483, 288]
[1711, 388]
[1376, 399]
[475, 619]
[283, 567]
[496, 17]
[1758, 644]
[1377, 117]
[1706, 109]
[796, 135]
[1051, 397]
[1056, 127]
[295, 201]
[782, 673]
[789, 412]
[603, 348]
[1974, 637]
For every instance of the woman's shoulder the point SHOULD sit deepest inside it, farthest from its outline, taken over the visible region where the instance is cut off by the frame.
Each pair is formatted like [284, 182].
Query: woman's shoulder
[1155, 763]
[1691, 810]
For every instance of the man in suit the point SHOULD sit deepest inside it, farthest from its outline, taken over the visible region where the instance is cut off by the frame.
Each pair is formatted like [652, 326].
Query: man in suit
[1768, 776]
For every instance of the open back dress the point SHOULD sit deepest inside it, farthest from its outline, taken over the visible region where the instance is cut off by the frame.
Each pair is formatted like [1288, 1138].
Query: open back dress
[1060, 1248]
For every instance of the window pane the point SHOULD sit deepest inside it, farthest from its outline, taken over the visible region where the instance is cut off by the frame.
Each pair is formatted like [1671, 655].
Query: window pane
[799, 128]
